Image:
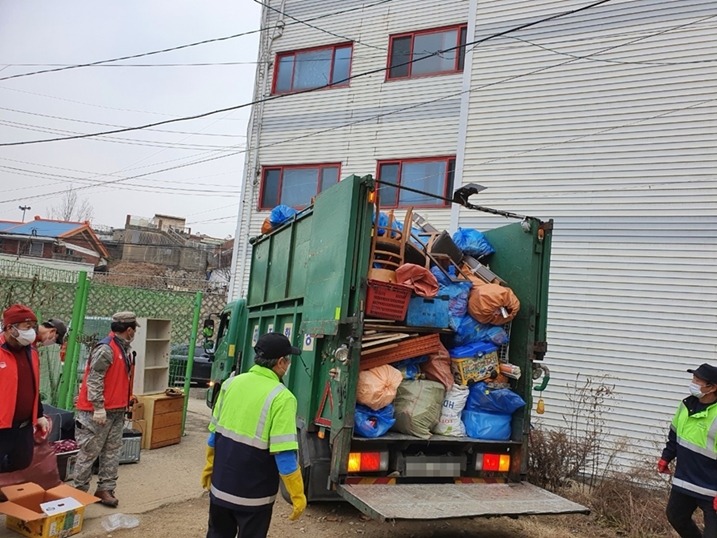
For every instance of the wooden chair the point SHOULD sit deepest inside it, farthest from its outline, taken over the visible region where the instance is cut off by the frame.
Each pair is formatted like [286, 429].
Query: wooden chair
[388, 245]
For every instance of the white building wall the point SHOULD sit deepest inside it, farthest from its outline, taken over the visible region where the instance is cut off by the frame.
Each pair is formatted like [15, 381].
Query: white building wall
[606, 121]
[371, 120]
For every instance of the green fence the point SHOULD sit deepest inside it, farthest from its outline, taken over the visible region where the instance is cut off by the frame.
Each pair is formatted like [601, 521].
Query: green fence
[52, 293]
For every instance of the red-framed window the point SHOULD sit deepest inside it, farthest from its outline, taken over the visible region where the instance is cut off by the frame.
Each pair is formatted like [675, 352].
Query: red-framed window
[313, 68]
[433, 175]
[409, 54]
[295, 185]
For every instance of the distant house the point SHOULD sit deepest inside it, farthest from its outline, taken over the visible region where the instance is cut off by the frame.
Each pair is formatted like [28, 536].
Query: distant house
[52, 239]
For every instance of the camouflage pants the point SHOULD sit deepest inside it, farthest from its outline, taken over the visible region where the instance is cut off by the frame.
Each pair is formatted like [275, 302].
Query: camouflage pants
[98, 441]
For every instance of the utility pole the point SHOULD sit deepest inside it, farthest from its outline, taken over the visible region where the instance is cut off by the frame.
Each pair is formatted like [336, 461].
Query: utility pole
[24, 208]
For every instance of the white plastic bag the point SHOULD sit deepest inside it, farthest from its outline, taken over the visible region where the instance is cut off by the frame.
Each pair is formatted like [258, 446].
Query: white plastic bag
[119, 521]
[450, 422]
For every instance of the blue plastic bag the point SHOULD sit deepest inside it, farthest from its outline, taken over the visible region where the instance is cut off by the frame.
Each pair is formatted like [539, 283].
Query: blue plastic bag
[472, 242]
[457, 293]
[280, 214]
[489, 426]
[474, 349]
[370, 423]
[498, 401]
[410, 368]
[468, 330]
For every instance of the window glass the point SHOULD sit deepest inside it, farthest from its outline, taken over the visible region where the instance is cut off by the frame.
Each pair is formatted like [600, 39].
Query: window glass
[36, 248]
[298, 186]
[329, 176]
[342, 65]
[284, 73]
[388, 196]
[428, 176]
[270, 194]
[425, 44]
[400, 54]
[312, 69]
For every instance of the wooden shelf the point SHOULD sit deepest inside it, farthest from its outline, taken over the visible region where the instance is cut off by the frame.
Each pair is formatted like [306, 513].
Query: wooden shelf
[153, 347]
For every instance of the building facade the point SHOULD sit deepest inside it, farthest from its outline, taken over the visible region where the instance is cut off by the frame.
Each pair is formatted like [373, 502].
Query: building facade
[598, 115]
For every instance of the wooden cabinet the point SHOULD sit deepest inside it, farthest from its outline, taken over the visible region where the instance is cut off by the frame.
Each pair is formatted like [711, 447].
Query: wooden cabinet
[152, 344]
[164, 420]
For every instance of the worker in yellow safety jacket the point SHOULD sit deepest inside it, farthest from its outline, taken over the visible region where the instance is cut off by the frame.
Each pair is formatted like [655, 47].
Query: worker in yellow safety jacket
[252, 444]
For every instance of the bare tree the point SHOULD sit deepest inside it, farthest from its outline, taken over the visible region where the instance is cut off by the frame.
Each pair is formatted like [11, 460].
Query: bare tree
[72, 208]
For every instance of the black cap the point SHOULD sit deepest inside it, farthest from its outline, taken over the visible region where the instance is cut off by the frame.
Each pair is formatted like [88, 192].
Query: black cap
[275, 346]
[706, 372]
[59, 326]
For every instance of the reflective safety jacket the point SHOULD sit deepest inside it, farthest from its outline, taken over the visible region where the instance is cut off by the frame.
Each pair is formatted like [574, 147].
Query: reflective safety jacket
[118, 379]
[254, 418]
[9, 380]
[693, 441]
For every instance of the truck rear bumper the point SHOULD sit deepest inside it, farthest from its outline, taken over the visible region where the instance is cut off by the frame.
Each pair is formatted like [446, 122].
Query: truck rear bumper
[445, 501]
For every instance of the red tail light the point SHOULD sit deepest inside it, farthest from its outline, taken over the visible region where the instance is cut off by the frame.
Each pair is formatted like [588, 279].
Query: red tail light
[367, 462]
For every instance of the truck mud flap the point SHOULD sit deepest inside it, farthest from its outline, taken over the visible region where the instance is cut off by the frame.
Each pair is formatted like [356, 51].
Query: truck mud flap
[445, 501]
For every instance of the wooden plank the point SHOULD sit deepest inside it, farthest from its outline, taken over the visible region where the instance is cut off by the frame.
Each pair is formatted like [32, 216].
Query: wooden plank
[377, 349]
[384, 340]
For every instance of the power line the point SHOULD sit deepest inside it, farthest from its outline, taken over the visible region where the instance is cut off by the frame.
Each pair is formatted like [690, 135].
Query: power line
[117, 140]
[415, 105]
[225, 189]
[114, 125]
[309, 90]
[285, 14]
[180, 47]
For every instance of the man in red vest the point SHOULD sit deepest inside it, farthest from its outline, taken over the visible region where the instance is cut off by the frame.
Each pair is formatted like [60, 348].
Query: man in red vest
[104, 397]
[20, 407]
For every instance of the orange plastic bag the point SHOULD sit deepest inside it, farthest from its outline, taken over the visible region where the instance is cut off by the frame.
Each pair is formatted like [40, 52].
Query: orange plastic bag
[438, 368]
[493, 304]
[419, 278]
[377, 387]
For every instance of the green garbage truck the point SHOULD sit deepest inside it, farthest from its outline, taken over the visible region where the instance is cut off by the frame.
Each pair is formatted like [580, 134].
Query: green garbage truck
[308, 279]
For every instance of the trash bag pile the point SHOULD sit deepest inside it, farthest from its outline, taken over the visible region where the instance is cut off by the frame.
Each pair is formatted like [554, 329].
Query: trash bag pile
[451, 380]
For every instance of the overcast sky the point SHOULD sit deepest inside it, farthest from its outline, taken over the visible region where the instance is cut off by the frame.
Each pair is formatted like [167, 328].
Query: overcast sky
[73, 32]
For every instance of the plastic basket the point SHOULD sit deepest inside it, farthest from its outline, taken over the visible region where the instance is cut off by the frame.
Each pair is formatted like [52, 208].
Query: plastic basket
[387, 301]
[66, 464]
[428, 312]
[131, 448]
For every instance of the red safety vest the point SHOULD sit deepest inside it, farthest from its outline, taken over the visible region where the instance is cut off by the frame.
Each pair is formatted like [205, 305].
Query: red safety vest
[8, 382]
[118, 379]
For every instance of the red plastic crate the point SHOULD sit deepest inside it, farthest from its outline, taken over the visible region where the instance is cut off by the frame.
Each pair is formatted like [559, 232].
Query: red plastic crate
[387, 301]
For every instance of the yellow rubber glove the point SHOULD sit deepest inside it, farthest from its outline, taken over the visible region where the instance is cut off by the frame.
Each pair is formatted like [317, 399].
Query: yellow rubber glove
[208, 468]
[295, 486]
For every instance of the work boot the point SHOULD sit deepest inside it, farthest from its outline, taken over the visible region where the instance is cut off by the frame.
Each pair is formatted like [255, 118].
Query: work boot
[107, 498]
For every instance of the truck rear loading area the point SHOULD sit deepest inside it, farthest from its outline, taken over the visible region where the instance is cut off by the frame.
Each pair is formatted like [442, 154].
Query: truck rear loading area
[310, 280]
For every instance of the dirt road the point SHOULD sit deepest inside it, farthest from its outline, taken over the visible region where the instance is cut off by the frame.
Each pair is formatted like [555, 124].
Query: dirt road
[163, 491]
[330, 520]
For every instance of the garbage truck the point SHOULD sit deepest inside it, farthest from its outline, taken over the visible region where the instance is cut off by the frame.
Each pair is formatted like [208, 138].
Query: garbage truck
[309, 280]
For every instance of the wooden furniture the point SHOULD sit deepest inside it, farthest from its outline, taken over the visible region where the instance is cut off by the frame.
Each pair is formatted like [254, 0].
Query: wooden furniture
[164, 420]
[152, 344]
[388, 245]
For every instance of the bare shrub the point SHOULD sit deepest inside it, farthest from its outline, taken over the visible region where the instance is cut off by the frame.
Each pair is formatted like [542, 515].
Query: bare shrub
[575, 461]
[558, 456]
[633, 502]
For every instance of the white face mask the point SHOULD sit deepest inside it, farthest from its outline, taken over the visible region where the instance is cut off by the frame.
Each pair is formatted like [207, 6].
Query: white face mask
[25, 337]
[696, 390]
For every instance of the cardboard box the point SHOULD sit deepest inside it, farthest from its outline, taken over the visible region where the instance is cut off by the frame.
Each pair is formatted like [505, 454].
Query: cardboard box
[38, 513]
[137, 411]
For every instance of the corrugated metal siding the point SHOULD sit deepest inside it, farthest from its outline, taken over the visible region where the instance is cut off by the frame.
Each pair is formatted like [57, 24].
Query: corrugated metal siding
[370, 120]
[618, 148]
